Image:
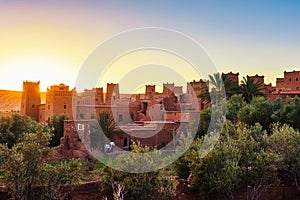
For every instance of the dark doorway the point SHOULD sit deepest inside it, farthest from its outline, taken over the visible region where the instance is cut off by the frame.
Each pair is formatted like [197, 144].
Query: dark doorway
[125, 142]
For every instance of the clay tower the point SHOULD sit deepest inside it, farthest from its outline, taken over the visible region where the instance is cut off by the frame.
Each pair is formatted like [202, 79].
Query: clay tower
[150, 90]
[112, 93]
[31, 98]
[168, 88]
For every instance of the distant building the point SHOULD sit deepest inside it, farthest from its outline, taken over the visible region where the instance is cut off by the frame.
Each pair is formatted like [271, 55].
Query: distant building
[112, 93]
[59, 100]
[234, 77]
[267, 88]
[31, 99]
[195, 89]
[137, 114]
[149, 106]
[289, 85]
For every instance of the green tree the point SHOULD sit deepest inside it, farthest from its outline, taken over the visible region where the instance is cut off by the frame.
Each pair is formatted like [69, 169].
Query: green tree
[288, 113]
[259, 110]
[26, 172]
[23, 162]
[285, 142]
[105, 125]
[234, 105]
[220, 85]
[12, 128]
[56, 176]
[219, 170]
[204, 121]
[182, 166]
[257, 160]
[56, 125]
[215, 92]
[231, 87]
[138, 185]
[240, 158]
[251, 89]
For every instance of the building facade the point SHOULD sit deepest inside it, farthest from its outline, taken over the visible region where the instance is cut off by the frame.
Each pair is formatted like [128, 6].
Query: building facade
[31, 99]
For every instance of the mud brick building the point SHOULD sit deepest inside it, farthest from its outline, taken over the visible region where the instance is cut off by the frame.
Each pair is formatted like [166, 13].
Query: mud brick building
[137, 116]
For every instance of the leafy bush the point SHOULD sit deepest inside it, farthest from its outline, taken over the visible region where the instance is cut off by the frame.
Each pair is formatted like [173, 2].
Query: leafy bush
[285, 142]
[259, 110]
[150, 185]
[12, 128]
[242, 157]
[26, 172]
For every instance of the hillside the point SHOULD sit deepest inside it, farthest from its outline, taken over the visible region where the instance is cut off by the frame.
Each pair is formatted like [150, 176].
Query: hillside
[11, 100]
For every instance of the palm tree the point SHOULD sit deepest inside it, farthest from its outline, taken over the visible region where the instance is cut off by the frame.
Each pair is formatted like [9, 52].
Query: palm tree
[250, 89]
[220, 85]
[106, 125]
[216, 82]
[230, 86]
[204, 95]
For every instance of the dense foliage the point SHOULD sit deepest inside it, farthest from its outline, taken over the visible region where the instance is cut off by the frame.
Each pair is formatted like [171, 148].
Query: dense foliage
[258, 110]
[132, 182]
[13, 127]
[259, 140]
[27, 175]
[56, 125]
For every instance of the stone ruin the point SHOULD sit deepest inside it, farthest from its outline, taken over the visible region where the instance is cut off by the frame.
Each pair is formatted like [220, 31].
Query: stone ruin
[71, 146]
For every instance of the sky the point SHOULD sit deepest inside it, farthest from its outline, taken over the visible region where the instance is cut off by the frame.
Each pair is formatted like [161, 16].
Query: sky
[51, 40]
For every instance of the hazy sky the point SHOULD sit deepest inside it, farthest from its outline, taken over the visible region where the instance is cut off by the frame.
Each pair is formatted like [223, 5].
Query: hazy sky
[49, 40]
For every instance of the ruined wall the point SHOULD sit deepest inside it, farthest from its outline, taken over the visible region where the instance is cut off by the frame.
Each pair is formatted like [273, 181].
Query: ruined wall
[73, 143]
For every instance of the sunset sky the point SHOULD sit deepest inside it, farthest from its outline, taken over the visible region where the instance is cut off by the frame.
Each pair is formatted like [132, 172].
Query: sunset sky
[50, 40]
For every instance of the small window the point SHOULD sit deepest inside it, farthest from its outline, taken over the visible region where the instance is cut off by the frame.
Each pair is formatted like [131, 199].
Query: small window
[65, 106]
[290, 79]
[48, 107]
[296, 79]
[33, 106]
[96, 99]
[297, 88]
[80, 127]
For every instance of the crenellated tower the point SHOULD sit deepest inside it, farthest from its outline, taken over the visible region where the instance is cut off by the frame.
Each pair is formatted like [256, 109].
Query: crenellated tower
[112, 93]
[31, 99]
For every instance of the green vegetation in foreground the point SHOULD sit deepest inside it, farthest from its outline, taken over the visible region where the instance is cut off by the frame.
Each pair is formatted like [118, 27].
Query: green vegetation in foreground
[260, 141]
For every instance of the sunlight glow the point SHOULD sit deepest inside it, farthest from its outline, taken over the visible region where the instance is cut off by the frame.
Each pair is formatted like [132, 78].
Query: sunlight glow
[34, 67]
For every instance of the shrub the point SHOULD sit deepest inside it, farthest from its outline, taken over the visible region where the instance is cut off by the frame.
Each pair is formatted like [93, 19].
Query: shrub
[136, 184]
